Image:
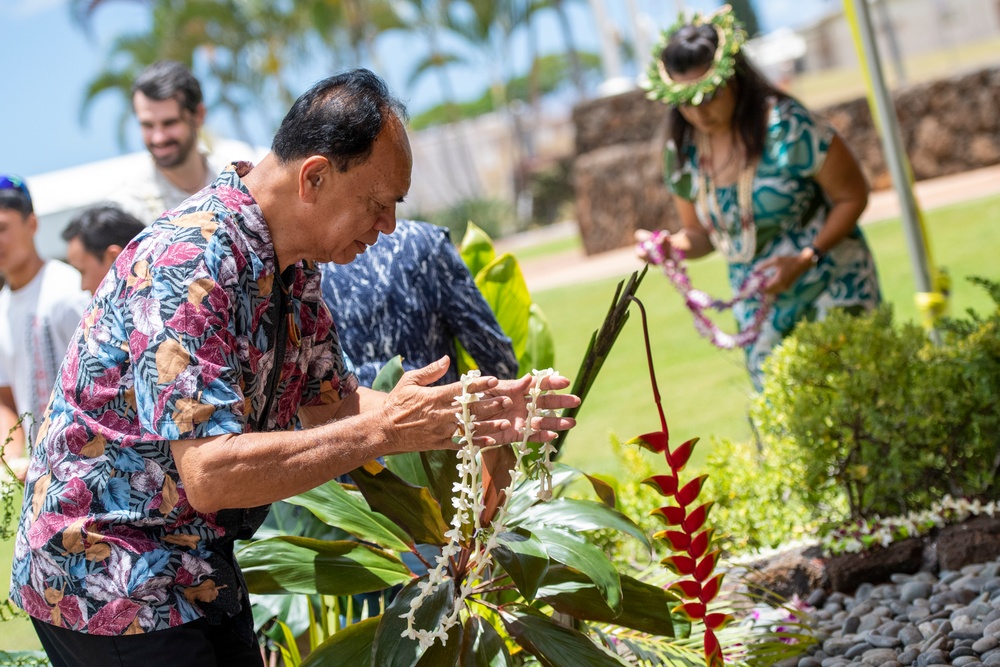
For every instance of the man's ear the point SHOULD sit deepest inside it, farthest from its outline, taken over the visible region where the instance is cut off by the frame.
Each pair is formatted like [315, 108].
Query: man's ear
[32, 222]
[111, 253]
[314, 172]
[199, 115]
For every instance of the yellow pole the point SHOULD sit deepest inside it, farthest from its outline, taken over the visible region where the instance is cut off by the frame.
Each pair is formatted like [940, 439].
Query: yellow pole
[932, 284]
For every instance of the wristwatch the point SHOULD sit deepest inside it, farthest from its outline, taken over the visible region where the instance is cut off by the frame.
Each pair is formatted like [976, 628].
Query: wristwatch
[817, 255]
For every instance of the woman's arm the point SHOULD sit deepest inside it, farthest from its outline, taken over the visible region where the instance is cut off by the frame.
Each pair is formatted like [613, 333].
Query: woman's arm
[844, 185]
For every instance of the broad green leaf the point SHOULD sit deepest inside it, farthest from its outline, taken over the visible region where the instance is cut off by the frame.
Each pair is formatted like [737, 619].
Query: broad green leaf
[476, 249]
[409, 466]
[644, 607]
[502, 285]
[526, 495]
[292, 609]
[289, 649]
[554, 645]
[302, 565]
[412, 507]
[465, 361]
[441, 470]
[391, 648]
[540, 346]
[444, 655]
[604, 488]
[522, 557]
[572, 550]
[482, 645]
[388, 376]
[350, 647]
[578, 515]
[337, 507]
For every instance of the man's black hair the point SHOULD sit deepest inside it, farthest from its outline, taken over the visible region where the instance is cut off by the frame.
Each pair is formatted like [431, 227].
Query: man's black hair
[102, 226]
[338, 118]
[168, 80]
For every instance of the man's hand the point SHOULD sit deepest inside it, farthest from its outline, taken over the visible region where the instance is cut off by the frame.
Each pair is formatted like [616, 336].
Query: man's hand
[547, 427]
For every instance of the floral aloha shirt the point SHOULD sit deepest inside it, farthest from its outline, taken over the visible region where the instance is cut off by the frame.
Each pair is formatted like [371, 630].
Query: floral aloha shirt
[178, 342]
[789, 209]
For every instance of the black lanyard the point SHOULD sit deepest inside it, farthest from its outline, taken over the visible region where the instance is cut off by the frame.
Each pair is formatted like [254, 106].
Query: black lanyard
[280, 300]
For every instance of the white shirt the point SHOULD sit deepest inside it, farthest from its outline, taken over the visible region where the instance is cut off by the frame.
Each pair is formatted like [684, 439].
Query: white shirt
[147, 193]
[37, 323]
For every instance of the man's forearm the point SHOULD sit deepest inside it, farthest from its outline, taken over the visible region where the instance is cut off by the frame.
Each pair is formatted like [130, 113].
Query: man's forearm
[252, 469]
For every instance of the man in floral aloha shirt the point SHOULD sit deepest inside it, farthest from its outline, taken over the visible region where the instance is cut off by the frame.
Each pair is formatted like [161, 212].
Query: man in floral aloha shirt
[168, 432]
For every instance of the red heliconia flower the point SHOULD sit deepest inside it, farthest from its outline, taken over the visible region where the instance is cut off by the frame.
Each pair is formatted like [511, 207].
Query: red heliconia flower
[657, 441]
[665, 484]
[679, 564]
[690, 491]
[679, 457]
[688, 588]
[711, 588]
[694, 611]
[717, 621]
[696, 519]
[703, 570]
[677, 540]
[672, 516]
[713, 652]
[699, 543]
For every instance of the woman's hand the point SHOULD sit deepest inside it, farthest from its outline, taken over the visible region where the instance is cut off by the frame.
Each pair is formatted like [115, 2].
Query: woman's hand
[786, 270]
[643, 239]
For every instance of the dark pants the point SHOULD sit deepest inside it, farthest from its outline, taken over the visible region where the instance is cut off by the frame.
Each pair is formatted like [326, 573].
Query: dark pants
[194, 644]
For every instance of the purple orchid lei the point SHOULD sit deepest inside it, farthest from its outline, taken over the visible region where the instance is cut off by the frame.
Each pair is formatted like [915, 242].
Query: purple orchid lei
[698, 301]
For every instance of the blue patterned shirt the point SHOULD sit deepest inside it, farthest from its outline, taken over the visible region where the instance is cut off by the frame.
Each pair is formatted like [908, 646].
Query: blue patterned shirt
[410, 294]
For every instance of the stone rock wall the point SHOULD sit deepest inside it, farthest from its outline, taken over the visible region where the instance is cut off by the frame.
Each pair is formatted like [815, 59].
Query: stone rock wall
[948, 126]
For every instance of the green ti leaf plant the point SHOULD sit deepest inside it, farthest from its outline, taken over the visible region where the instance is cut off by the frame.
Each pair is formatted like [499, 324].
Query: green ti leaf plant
[502, 284]
[686, 534]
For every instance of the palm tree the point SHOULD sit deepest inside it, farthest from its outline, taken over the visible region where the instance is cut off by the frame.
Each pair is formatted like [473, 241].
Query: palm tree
[429, 18]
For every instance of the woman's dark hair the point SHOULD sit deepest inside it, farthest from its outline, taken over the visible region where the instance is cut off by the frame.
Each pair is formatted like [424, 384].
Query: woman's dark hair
[102, 226]
[338, 118]
[167, 80]
[693, 48]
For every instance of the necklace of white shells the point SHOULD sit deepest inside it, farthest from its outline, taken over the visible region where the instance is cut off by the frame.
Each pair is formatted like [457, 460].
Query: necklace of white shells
[469, 506]
[739, 250]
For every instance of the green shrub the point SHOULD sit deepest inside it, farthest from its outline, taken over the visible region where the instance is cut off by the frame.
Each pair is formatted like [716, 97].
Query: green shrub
[879, 413]
[758, 504]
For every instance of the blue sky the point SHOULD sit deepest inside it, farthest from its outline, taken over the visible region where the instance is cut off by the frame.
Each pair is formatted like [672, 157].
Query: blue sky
[49, 60]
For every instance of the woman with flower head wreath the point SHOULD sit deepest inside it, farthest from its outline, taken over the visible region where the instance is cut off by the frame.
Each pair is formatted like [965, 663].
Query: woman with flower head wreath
[760, 179]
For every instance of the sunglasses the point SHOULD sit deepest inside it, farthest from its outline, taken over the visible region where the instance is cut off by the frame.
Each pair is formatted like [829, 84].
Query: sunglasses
[14, 183]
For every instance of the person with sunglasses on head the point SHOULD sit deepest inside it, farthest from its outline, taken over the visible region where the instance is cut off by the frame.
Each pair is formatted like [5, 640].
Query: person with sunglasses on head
[95, 239]
[759, 178]
[40, 308]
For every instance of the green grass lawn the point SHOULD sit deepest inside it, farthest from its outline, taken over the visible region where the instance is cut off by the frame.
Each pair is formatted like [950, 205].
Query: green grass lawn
[705, 391]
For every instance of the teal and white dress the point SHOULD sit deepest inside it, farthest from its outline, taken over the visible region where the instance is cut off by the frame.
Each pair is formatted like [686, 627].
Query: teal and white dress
[789, 209]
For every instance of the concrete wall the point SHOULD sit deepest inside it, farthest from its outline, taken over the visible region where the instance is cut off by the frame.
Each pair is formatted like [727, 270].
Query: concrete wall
[921, 26]
[948, 126]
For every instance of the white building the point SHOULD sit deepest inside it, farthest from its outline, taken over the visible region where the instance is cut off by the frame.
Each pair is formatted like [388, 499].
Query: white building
[920, 26]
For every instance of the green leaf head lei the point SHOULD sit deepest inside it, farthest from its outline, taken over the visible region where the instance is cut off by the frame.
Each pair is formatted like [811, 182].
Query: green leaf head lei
[660, 86]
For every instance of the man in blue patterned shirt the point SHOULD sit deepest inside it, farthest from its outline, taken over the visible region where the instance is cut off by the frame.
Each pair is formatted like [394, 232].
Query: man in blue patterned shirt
[410, 294]
[167, 434]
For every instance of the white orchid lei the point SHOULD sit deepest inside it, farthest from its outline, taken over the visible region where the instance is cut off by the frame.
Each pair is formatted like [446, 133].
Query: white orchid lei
[469, 506]
[861, 535]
